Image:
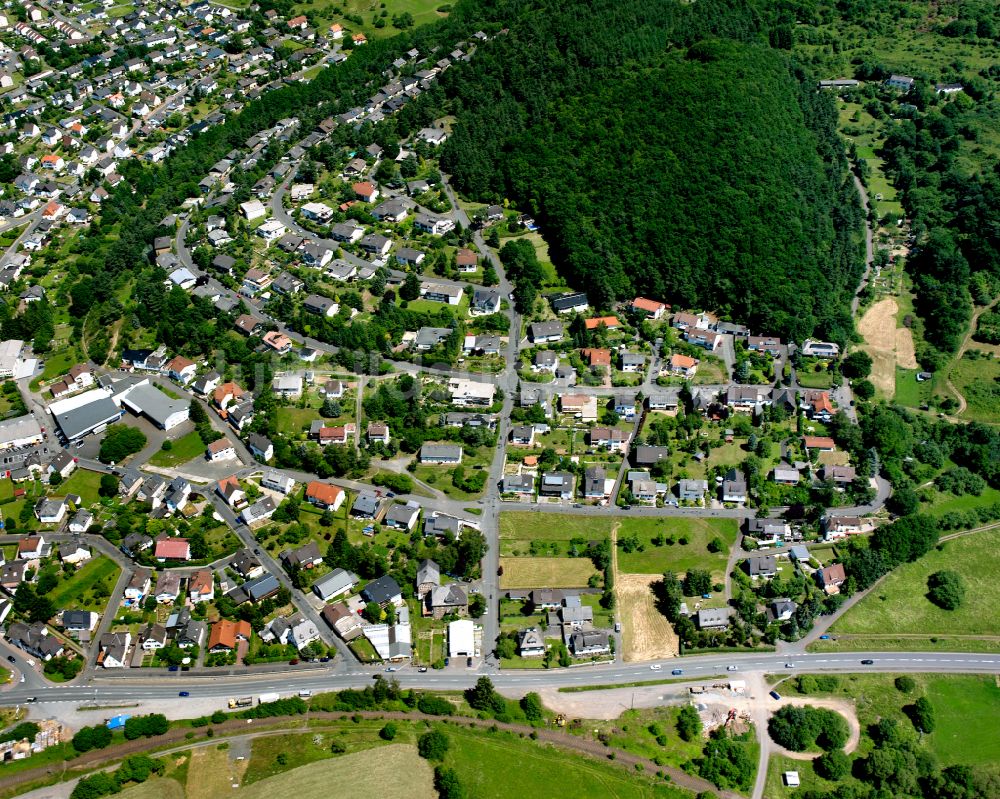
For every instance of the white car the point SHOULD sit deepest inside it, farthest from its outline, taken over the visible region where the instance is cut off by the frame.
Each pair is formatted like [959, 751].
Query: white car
[656, 667]
[731, 668]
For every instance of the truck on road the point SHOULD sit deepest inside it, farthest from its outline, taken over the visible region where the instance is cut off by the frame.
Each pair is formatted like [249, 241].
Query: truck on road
[242, 701]
[265, 698]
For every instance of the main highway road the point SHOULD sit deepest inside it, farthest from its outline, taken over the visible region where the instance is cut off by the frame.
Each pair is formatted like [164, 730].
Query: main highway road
[127, 690]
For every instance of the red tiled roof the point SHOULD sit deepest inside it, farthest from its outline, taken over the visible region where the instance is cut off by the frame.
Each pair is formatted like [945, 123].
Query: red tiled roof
[652, 306]
[173, 549]
[609, 322]
[324, 492]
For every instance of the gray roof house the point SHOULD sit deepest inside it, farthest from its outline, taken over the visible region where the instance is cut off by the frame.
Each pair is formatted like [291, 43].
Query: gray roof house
[441, 453]
[762, 566]
[337, 582]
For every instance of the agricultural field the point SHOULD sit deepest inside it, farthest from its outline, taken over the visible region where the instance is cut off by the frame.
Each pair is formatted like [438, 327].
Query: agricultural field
[155, 788]
[676, 557]
[545, 572]
[389, 771]
[646, 633]
[899, 603]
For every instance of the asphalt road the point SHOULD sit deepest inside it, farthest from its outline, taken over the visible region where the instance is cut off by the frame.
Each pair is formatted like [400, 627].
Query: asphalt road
[110, 690]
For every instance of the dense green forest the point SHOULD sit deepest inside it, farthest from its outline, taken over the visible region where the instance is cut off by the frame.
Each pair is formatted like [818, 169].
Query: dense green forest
[940, 152]
[669, 150]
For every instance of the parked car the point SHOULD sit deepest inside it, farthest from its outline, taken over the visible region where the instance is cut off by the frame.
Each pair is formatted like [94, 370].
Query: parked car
[422, 669]
[468, 662]
[824, 638]
[774, 695]
[174, 668]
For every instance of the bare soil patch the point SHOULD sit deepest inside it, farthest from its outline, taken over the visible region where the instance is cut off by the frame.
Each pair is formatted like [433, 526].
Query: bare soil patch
[646, 633]
[906, 356]
[878, 327]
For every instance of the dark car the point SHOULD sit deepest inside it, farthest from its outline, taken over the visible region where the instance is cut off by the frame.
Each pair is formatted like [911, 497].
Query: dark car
[324, 660]
[11, 659]
[867, 662]
[775, 695]
[184, 693]
[677, 671]
[468, 662]
[174, 668]
[447, 661]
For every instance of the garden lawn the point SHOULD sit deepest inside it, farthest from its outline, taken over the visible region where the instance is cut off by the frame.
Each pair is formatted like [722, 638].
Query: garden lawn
[292, 421]
[908, 391]
[184, 449]
[78, 591]
[899, 603]
[85, 483]
[58, 363]
[678, 557]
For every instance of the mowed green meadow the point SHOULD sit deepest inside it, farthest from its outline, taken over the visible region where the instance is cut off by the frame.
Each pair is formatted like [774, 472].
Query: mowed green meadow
[899, 604]
[519, 529]
[677, 557]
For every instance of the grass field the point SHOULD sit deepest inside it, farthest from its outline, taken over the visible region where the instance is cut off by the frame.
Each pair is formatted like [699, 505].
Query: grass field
[184, 449]
[78, 591]
[85, 483]
[966, 706]
[519, 529]
[545, 572]
[899, 603]
[979, 381]
[154, 788]
[631, 732]
[209, 773]
[885, 643]
[678, 557]
[388, 772]
[945, 503]
[500, 766]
